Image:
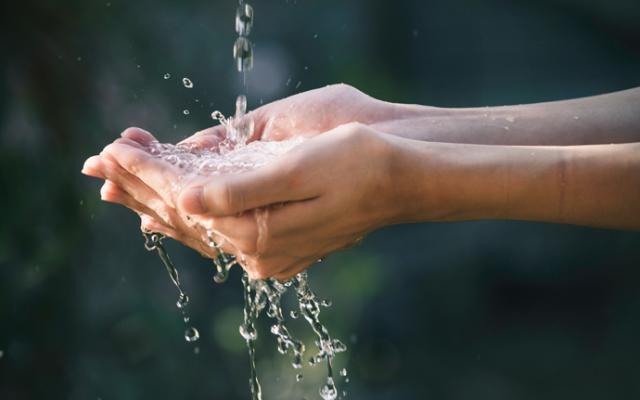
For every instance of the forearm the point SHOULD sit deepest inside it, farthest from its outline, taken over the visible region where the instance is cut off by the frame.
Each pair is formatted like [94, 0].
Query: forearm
[609, 118]
[595, 185]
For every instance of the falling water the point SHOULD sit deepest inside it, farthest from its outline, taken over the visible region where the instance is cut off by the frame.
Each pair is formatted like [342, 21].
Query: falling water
[153, 242]
[234, 155]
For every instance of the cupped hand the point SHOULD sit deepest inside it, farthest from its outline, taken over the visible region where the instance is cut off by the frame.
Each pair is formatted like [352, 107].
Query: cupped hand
[322, 196]
[308, 114]
[305, 114]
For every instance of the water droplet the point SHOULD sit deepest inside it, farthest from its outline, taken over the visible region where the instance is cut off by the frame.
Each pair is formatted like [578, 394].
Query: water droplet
[510, 119]
[187, 83]
[328, 391]
[183, 301]
[346, 380]
[294, 314]
[298, 84]
[506, 128]
[315, 36]
[191, 334]
[248, 332]
[338, 346]
[196, 350]
[186, 112]
[167, 76]
[576, 117]
[1, 354]
[244, 20]
[243, 54]
[220, 277]
[344, 393]
[343, 372]
[326, 303]
[299, 377]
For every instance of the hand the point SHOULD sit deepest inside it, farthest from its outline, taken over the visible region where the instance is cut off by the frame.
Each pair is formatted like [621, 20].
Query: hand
[308, 114]
[279, 219]
[322, 196]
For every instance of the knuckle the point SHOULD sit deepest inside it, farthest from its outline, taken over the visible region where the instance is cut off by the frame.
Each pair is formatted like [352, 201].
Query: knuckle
[134, 164]
[353, 131]
[345, 88]
[357, 127]
[221, 198]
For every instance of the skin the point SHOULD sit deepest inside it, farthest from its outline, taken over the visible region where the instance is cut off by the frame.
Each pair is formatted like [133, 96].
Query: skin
[370, 164]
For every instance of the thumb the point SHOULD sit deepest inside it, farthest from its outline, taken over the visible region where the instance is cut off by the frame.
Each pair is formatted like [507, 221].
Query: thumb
[233, 194]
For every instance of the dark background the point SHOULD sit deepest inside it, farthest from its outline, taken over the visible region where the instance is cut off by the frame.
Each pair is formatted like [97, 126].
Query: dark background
[481, 310]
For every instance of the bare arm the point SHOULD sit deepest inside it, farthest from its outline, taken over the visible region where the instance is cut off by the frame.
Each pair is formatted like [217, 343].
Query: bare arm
[595, 185]
[604, 119]
[331, 191]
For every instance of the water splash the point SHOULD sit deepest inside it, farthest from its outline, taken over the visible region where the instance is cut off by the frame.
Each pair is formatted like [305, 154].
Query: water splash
[225, 158]
[261, 295]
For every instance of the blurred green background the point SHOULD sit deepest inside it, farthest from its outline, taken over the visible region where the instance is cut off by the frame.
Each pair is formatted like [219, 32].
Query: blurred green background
[481, 310]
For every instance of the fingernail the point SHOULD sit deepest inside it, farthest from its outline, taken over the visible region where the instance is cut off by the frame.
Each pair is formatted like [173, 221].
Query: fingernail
[192, 200]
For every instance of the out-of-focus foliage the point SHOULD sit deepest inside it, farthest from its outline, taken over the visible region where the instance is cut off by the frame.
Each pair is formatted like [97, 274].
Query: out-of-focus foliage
[482, 310]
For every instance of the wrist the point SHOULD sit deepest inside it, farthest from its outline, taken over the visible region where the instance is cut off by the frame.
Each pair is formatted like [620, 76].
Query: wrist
[446, 182]
[418, 122]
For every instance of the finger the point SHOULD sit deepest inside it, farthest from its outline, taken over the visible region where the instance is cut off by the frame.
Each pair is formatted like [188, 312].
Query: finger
[237, 229]
[206, 139]
[136, 189]
[131, 143]
[150, 224]
[150, 204]
[113, 193]
[93, 167]
[233, 194]
[158, 175]
[138, 135]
